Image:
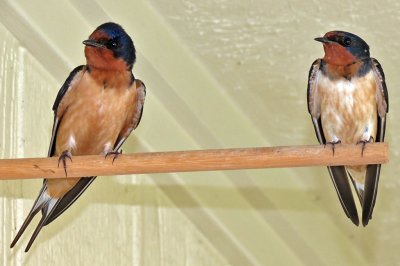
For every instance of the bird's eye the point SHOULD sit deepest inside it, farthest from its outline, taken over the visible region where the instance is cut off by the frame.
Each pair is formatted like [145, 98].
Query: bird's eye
[347, 41]
[113, 44]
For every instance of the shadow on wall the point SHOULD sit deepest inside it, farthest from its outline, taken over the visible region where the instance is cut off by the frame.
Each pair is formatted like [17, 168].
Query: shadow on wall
[109, 191]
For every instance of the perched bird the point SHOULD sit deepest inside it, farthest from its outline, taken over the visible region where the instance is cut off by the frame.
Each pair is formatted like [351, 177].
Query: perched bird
[348, 101]
[95, 110]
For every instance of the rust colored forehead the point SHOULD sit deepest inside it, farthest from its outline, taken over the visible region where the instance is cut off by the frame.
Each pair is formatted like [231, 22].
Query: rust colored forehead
[332, 34]
[98, 35]
[104, 59]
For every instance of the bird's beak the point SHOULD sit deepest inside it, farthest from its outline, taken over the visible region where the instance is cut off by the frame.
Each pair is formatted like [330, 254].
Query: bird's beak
[322, 39]
[93, 43]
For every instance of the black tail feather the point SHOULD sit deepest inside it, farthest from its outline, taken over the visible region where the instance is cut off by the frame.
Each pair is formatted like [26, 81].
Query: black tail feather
[36, 232]
[370, 192]
[343, 189]
[27, 221]
[51, 208]
[69, 198]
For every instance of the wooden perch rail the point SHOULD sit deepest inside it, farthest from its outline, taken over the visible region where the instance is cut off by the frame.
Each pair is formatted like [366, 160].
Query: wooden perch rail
[201, 160]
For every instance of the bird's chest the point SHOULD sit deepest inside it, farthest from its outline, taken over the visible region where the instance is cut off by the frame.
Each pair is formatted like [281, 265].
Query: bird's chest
[100, 109]
[348, 108]
[93, 119]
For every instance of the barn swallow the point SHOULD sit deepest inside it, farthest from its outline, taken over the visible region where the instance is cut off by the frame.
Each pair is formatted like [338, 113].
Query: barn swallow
[348, 101]
[96, 109]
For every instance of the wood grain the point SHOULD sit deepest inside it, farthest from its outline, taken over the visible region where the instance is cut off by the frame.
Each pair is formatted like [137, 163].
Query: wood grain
[200, 160]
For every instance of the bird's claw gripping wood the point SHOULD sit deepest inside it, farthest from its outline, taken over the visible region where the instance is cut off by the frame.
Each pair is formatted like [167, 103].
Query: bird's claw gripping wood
[364, 142]
[333, 143]
[63, 156]
[115, 154]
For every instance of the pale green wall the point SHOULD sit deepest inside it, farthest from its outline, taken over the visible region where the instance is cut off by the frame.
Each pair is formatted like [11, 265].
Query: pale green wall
[125, 220]
[260, 217]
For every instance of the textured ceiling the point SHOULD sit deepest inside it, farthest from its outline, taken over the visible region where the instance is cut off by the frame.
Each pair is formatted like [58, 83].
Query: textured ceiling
[260, 51]
[234, 74]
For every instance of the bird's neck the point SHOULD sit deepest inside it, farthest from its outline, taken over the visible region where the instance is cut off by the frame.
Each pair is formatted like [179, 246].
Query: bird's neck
[111, 78]
[346, 71]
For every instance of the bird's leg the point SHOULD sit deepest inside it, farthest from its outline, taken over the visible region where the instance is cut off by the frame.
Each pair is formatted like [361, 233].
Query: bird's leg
[65, 154]
[364, 142]
[114, 153]
[333, 143]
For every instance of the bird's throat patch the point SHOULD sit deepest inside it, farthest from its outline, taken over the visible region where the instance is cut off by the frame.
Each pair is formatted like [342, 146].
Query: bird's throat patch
[335, 54]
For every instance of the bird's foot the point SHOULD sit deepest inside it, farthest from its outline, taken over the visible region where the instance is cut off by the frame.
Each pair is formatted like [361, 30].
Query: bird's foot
[364, 142]
[114, 153]
[333, 143]
[65, 154]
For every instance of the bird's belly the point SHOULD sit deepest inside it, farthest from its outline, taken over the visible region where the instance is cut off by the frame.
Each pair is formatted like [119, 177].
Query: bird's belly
[86, 128]
[349, 110]
[88, 133]
[91, 126]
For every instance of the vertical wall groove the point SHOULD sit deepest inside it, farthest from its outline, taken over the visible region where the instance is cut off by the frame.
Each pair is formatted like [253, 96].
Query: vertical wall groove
[11, 114]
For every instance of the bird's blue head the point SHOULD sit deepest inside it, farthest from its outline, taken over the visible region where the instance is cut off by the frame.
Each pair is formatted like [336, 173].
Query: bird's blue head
[343, 48]
[109, 47]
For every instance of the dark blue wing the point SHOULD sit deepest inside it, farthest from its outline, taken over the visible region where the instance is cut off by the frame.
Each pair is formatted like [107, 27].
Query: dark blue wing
[373, 170]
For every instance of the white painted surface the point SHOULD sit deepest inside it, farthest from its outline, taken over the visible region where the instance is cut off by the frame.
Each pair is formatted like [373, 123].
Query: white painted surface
[218, 74]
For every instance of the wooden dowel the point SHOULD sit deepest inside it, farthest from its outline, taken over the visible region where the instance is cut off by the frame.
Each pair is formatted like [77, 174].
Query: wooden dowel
[201, 160]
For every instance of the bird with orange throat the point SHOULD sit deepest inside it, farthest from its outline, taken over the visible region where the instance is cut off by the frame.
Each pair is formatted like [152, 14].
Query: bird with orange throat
[96, 109]
[348, 101]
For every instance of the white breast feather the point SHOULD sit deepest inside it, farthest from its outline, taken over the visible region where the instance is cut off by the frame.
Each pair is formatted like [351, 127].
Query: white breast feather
[71, 142]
